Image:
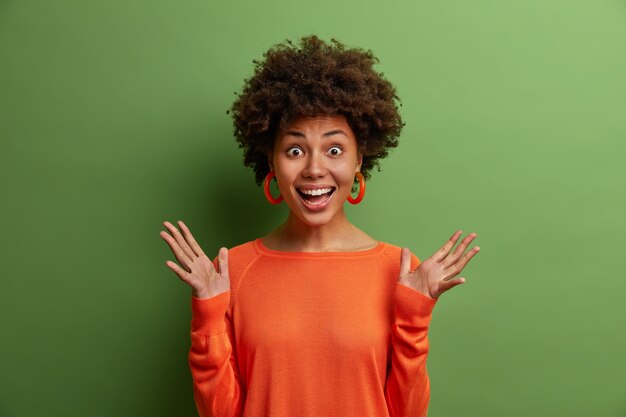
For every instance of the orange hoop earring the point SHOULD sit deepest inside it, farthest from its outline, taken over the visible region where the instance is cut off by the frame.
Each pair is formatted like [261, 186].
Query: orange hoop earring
[358, 199]
[266, 189]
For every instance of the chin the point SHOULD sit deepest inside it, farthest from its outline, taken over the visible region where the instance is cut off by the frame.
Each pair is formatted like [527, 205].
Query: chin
[315, 222]
[313, 218]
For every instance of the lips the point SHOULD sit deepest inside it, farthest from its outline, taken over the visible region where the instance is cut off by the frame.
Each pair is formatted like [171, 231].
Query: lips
[316, 203]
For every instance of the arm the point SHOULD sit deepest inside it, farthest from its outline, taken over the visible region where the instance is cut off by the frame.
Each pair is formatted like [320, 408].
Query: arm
[418, 288]
[217, 385]
[407, 389]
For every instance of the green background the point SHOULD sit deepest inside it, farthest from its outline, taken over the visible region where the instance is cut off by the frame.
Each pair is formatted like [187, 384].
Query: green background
[113, 120]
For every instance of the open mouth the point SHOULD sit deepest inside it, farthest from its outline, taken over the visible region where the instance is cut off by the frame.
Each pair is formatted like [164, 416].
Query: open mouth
[316, 198]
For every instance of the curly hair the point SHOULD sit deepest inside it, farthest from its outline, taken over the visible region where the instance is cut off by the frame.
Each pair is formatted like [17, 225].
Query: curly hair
[316, 79]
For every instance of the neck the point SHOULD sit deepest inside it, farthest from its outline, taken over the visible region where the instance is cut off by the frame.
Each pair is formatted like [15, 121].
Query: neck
[297, 235]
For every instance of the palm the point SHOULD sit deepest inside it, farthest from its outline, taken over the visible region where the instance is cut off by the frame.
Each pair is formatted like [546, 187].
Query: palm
[197, 269]
[434, 276]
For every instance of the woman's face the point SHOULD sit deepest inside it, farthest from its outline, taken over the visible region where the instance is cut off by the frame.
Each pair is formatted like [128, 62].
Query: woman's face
[316, 153]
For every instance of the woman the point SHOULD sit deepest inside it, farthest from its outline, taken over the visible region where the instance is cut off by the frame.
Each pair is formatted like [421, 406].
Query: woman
[316, 318]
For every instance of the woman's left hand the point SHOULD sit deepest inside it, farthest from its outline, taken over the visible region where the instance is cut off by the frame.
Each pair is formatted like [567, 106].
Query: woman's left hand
[434, 276]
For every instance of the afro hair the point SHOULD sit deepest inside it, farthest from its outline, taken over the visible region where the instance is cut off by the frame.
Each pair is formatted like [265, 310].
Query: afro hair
[311, 79]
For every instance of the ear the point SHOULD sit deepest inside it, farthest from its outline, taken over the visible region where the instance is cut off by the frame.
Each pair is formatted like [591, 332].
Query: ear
[359, 162]
[269, 161]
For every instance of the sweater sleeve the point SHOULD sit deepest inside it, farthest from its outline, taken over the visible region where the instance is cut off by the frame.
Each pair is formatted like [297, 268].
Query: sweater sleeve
[407, 389]
[217, 385]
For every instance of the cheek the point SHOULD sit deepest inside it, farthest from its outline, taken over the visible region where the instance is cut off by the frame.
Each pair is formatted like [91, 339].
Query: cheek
[345, 173]
[285, 175]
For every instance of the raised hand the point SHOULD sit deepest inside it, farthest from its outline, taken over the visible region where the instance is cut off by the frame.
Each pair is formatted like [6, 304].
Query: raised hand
[434, 276]
[197, 269]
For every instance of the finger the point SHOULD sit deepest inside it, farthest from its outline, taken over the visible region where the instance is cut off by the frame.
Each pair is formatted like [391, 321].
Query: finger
[180, 255]
[192, 242]
[445, 249]
[180, 240]
[446, 285]
[458, 252]
[405, 262]
[466, 258]
[182, 274]
[222, 260]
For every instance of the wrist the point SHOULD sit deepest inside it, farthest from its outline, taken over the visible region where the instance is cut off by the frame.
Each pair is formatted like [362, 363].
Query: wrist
[200, 294]
[414, 287]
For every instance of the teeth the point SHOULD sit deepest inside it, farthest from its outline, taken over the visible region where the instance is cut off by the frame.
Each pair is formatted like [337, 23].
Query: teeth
[317, 192]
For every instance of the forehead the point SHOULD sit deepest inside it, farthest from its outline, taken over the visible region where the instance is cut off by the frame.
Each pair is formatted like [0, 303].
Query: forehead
[316, 123]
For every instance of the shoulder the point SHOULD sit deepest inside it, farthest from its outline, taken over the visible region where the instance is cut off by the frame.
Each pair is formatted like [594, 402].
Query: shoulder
[244, 251]
[240, 258]
[394, 254]
[240, 253]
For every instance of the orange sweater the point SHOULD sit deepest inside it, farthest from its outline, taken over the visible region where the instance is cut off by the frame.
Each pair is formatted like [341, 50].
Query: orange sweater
[319, 334]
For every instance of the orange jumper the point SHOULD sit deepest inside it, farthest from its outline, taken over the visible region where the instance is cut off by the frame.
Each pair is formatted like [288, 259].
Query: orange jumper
[312, 334]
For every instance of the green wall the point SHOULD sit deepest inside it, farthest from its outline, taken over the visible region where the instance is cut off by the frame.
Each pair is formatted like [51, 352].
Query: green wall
[113, 120]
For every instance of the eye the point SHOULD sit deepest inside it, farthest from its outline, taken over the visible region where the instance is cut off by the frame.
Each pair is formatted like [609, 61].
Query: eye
[338, 151]
[290, 153]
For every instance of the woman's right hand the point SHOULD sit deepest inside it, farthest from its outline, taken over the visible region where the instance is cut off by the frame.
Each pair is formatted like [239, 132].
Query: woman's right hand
[198, 271]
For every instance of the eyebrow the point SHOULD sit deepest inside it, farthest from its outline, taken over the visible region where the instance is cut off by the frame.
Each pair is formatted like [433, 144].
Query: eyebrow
[327, 134]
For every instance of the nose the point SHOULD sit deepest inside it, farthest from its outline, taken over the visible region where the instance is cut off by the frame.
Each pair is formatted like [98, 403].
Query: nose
[315, 166]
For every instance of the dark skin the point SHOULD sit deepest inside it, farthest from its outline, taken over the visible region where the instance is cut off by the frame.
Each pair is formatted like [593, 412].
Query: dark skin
[198, 272]
[318, 150]
[432, 277]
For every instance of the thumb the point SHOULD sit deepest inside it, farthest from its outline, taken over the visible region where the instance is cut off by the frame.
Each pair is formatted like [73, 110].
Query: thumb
[446, 285]
[405, 262]
[223, 261]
